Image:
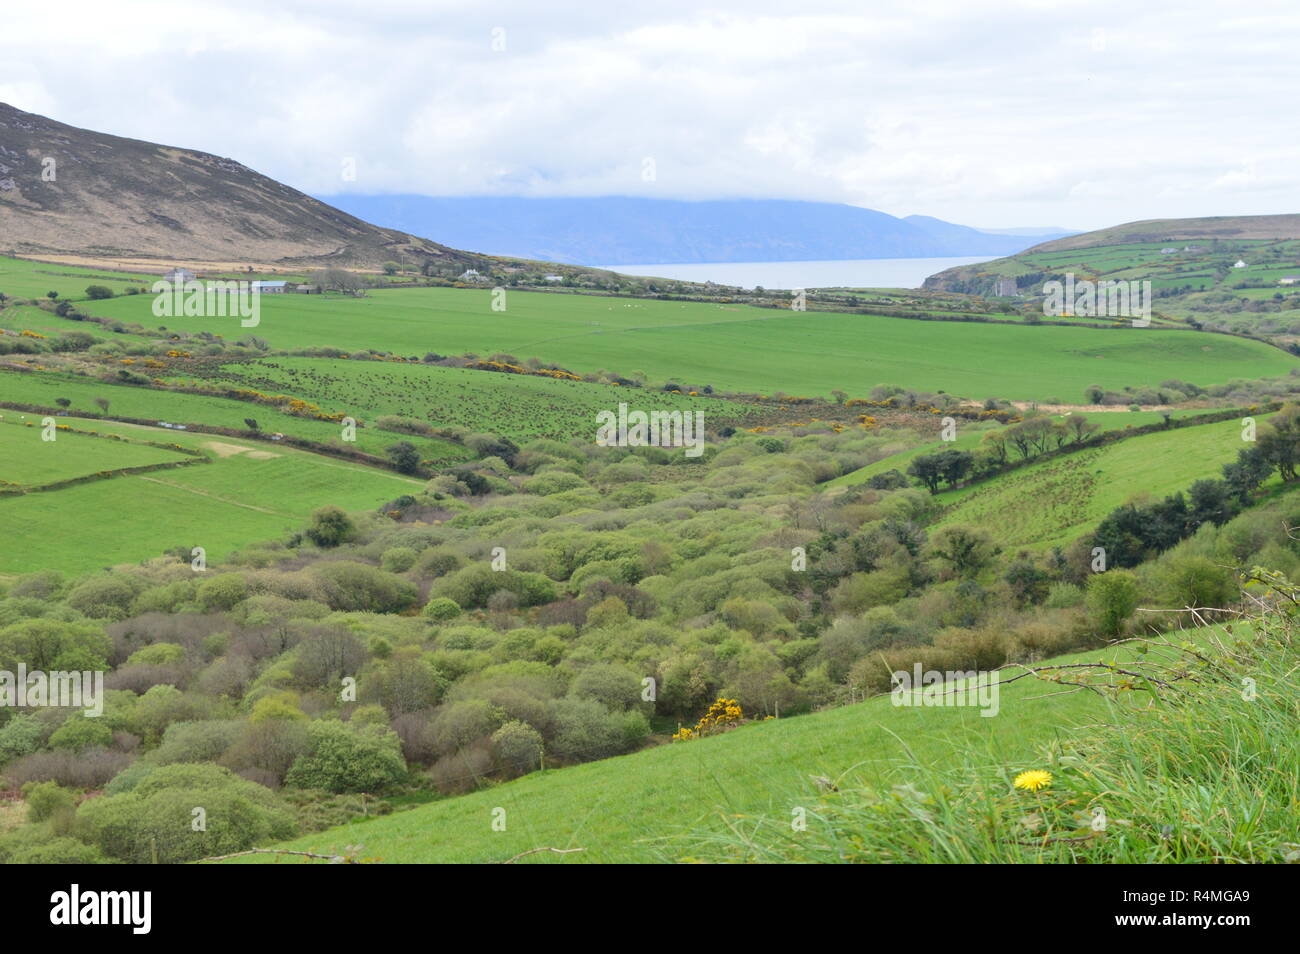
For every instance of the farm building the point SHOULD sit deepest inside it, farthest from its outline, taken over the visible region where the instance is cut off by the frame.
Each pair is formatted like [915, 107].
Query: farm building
[1240, 264]
[271, 288]
[1288, 279]
[472, 275]
[179, 275]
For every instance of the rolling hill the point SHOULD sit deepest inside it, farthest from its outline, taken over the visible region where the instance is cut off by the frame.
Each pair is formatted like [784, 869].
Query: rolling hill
[105, 196]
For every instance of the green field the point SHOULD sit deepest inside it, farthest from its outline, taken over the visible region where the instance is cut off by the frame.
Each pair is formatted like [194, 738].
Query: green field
[518, 406]
[969, 437]
[179, 408]
[623, 809]
[1054, 501]
[249, 492]
[745, 348]
[23, 279]
[26, 460]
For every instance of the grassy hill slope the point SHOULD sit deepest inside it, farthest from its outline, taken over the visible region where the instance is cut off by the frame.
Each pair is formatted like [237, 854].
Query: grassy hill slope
[619, 809]
[1056, 500]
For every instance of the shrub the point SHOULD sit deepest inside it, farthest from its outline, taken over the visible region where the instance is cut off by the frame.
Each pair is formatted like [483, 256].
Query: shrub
[158, 816]
[517, 747]
[58, 851]
[45, 800]
[329, 527]
[441, 608]
[346, 758]
[398, 559]
[21, 735]
[195, 741]
[1111, 598]
[358, 587]
[159, 654]
[79, 733]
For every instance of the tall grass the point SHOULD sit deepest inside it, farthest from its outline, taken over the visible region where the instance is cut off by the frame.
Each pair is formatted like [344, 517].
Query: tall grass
[1197, 761]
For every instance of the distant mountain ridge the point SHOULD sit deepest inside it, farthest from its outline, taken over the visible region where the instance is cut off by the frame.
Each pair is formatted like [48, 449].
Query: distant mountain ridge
[621, 230]
[66, 191]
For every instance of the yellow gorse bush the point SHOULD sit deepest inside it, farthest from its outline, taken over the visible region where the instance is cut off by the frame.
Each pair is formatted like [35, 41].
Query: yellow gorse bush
[722, 714]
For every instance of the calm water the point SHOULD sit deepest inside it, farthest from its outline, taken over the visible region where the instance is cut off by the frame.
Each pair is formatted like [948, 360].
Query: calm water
[854, 273]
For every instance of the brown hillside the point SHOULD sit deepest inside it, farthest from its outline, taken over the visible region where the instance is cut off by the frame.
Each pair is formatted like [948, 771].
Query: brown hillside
[115, 198]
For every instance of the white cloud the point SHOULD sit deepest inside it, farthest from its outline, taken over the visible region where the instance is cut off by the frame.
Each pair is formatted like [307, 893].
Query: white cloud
[995, 114]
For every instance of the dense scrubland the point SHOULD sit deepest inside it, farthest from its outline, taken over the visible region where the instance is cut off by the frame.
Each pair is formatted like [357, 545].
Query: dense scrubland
[612, 566]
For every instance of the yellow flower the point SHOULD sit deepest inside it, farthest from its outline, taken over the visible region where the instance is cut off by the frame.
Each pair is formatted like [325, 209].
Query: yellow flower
[1033, 780]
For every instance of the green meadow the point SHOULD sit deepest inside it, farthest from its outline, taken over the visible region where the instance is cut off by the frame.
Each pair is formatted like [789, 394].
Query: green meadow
[250, 491]
[969, 437]
[20, 278]
[175, 407]
[27, 460]
[522, 407]
[1054, 501]
[745, 348]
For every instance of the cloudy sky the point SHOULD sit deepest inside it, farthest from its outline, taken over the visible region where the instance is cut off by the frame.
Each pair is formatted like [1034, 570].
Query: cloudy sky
[994, 114]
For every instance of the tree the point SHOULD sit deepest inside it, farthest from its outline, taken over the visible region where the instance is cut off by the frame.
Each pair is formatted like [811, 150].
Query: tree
[1212, 502]
[63, 402]
[330, 526]
[390, 268]
[1279, 441]
[252, 424]
[1080, 428]
[965, 549]
[928, 469]
[1028, 582]
[343, 757]
[1246, 473]
[51, 295]
[404, 457]
[954, 465]
[102, 404]
[98, 292]
[1111, 599]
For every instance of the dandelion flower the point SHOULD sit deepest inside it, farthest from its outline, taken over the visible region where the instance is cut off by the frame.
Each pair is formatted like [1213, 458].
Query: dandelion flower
[1033, 780]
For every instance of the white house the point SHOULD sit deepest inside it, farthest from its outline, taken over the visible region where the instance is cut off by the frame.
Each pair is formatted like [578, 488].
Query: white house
[270, 288]
[472, 275]
[1240, 264]
[1288, 280]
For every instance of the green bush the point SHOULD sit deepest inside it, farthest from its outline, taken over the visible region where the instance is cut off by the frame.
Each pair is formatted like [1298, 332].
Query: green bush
[398, 559]
[47, 799]
[159, 654]
[80, 732]
[441, 608]
[345, 758]
[517, 747]
[58, 851]
[158, 816]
